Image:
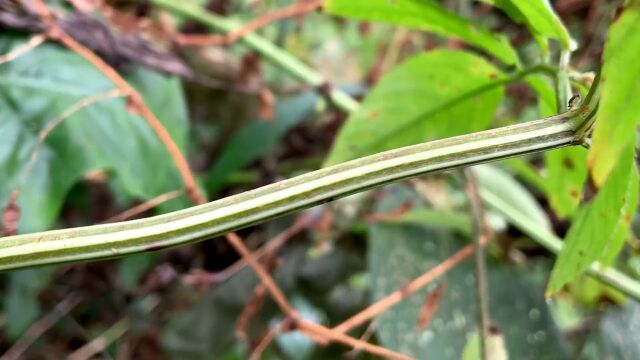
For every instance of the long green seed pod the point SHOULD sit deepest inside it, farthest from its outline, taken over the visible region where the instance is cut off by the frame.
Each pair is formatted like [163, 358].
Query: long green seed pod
[259, 205]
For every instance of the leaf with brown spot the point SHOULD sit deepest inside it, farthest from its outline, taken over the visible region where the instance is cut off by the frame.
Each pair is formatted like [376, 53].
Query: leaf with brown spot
[567, 162]
[599, 229]
[566, 175]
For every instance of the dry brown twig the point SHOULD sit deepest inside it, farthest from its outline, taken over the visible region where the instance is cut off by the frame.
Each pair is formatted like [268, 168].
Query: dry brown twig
[203, 278]
[482, 233]
[31, 44]
[298, 8]
[101, 342]
[136, 103]
[315, 331]
[40, 327]
[405, 291]
[366, 335]
[253, 306]
[266, 340]
[145, 206]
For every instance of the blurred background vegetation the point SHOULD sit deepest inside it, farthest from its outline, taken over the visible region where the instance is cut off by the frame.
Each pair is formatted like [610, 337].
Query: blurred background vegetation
[243, 122]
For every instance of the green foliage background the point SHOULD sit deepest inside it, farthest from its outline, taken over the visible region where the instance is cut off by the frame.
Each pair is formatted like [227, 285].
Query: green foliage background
[589, 197]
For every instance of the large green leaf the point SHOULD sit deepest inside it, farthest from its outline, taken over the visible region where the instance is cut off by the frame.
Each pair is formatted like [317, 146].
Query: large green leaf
[44, 83]
[259, 137]
[599, 230]
[425, 15]
[539, 17]
[616, 335]
[20, 305]
[436, 94]
[400, 252]
[619, 111]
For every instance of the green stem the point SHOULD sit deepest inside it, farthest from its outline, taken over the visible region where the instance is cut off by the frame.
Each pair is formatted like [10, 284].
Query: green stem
[259, 205]
[270, 51]
[552, 243]
[563, 84]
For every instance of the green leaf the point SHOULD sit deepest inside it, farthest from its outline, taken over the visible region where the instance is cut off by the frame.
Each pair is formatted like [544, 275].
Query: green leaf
[425, 15]
[619, 111]
[132, 268]
[505, 187]
[400, 252]
[20, 302]
[258, 138]
[43, 84]
[547, 103]
[539, 17]
[599, 230]
[615, 337]
[566, 175]
[437, 94]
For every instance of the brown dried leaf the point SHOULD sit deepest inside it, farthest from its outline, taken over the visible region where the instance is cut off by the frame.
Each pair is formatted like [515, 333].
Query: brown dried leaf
[430, 306]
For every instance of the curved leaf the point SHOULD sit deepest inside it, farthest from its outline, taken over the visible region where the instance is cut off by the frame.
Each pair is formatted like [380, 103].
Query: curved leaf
[619, 111]
[599, 230]
[400, 252]
[425, 15]
[539, 17]
[437, 94]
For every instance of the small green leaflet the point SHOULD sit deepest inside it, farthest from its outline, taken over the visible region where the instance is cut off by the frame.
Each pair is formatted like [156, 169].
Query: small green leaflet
[432, 95]
[600, 228]
[619, 111]
[425, 15]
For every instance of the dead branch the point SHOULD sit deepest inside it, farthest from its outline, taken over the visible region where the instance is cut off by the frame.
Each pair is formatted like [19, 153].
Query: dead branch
[101, 342]
[405, 291]
[253, 306]
[314, 331]
[145, 206]
[266, 340]
[41, 326]
[31, 44]
[482, 233]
